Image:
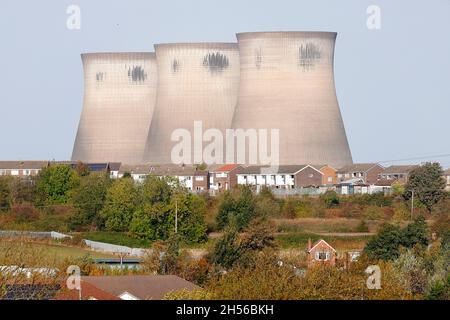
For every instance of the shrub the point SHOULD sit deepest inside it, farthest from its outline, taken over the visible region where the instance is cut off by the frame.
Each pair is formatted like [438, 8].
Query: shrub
[386, 244]
[330, 199]
[373, 213]
[237, 207]
[362, 227]
[24, 213]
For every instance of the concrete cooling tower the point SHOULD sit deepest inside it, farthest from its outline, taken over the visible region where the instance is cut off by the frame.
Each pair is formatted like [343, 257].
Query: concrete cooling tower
[287, 83]
[196, 82]
[119, 98]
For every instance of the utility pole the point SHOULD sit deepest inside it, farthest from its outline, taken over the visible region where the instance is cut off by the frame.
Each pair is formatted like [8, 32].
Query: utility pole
[176, 216]
[412, 204]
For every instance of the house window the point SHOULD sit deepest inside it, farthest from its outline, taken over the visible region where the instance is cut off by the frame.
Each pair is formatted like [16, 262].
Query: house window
[322, 256]
[330, 179]
[199, 178]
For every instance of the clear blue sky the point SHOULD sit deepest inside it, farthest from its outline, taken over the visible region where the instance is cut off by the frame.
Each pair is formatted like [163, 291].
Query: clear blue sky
[393, 84]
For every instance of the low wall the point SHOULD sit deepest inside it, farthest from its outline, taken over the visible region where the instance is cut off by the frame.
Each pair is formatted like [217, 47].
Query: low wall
[33, 234]
[94, 245]
[115, 249]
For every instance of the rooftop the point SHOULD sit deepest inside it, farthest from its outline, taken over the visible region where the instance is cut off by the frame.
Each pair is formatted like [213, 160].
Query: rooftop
[140, 286]
[286, 169]
[23, 164]
[358, 167]
[227, 168]
[399, 169]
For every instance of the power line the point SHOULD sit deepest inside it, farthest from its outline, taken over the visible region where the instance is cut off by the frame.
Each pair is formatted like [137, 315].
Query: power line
[445, 155]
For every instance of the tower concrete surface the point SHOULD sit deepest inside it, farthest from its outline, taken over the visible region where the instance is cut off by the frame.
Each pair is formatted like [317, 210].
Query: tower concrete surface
[119, 98]
[196, 82]
[287, 83]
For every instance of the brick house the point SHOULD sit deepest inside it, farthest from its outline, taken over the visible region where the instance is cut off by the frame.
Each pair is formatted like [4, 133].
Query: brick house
[367, 172]
[399, 173]
[319, 253]
[329, 174]
[22, 168]
[286, 177]
[224, 177]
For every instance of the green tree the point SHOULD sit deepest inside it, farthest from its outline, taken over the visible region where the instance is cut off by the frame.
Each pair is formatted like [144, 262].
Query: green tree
[226, 252]
[415, 233]
[89, 199]
[162, 199]
[5, 192]
[237, 207]
[385, 245]
[120, 204]
[190, 210]
[427, 184]
[55, 184]
[156, 189]
[152, 222]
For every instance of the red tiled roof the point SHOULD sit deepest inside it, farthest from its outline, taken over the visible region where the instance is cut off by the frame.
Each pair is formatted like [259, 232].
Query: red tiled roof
[141, 286]
[321, 241]
[227, 168]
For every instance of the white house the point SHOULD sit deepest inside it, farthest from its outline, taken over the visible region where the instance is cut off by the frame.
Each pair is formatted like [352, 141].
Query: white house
[285, 177]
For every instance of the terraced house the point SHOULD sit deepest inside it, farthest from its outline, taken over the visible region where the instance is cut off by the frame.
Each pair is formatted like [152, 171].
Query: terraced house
[22, 168]
[286, 177]
[366, 173]
[399, 173]
[189, 176]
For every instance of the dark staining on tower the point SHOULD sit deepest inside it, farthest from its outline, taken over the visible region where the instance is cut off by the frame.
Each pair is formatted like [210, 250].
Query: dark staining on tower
[137, 74]
[100, 76]
[216, 62]
[309, 53]
[175, 65]
[258, 58]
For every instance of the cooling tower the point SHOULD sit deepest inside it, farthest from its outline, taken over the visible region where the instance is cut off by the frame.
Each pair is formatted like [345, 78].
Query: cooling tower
[287, 83]
[119, 98]
[196, 82]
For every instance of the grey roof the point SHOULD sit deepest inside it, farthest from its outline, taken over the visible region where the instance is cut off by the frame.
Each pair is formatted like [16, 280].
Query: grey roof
[134, 169]
[162, 170]
[358, 167]
[10, 165]
[286, 169]
[141, 286]
[398, 169]
[114, 166]
[320, 166]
